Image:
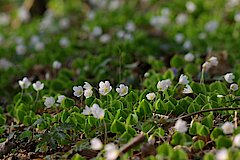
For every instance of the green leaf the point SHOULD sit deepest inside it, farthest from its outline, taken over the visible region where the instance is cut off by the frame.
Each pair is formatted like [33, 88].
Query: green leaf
[159, 132]
[216, 133]
[193, 107]
[198, 88]
[220, 87]
[117, 127]
[177, 61]
[169, 74]
[2, 120]
[64, 115]
[180, 139]
[144, 109]
[68, 103]
[209, 156]
[178, 154]
[77, 157]
[198, 145]
[191, 69]
[25, 134]
[201, 99]
[20, 115]
[165, 149]
[208, 121]
[132, 119]
[223, 142]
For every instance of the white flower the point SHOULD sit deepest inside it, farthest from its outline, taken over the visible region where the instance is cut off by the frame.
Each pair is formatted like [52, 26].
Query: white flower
[206, 66]
[187, 45]
[39, 46]
[183, 80]
[202, 35]
[181, 126]
[38, 86]
[179, 38]
[187, 89]
[211, 26]
[105, 38]
[236, 140]
[78, 91]
[96, 144]
[25, 83]
[182, 19]
[120, 34]
[234, 87]
[237, 17]
[5, 64]
[189, 57]
[88, 93]
[23, 14]
[60, 98]
[229, 77]
[213, 61]
[21, 49]
[97, 112]
[57, 65]
[35, 39]
[112, 151]
[4, 19]
[86, 111]
[165, 11]
[64, 23]
[164, 84]
[122, 90]
[227, 128]
[150, 96]
[191, 7]
[97, 31]
[87, 86]
[104, 87]
[130, 26]
[64, 42]
[222, 154]
[159, 21]
[220, 96]
[49, 102]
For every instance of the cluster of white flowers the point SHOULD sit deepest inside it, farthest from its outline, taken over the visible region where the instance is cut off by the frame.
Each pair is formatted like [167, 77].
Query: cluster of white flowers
[95, 110]
[213, 61]
[229, 77]
[164, 84]
[181, 126]
[183, 80]
[111, 150]
[160, 21]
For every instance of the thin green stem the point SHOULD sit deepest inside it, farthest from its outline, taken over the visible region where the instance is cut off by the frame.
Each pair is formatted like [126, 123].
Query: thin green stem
[36, 98]
[21, 93]
[202, 77]
[105, 132]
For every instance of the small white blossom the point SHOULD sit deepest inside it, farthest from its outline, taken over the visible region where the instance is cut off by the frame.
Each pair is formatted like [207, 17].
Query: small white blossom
[165, 11]
[187, 45]
[4, 19]
[220, 96]
[187, 89]
[237, 17]
[64, 23]
[112, 151]
[60, 98]
[5, 64]
[191, 7]
[88, 93]
[21, 49]
[222, 154]
[213, 61]
[236, 140]
[122, 90]
[97, 31]
[25, 83]
[227, 128]
[78, 91]
[150, 96]
[183, 80]
[229, 77]
[57, 65]
[96, 144]
[87, 86]
[182, 19]
[120, 34]
[202, 35]
[164, 84]
[105, 38]
[38, 86]
[64, 42]
[97, 112]
[181, 126]
[189, 57]
[206, 66]
[35, 39]
[86, 111]
[104, 87]
[39, 46]
[49, 101]
[23, 14]
[179, 38]
[159, 21]
[130, 26]
[234, 87]
[211, 26]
